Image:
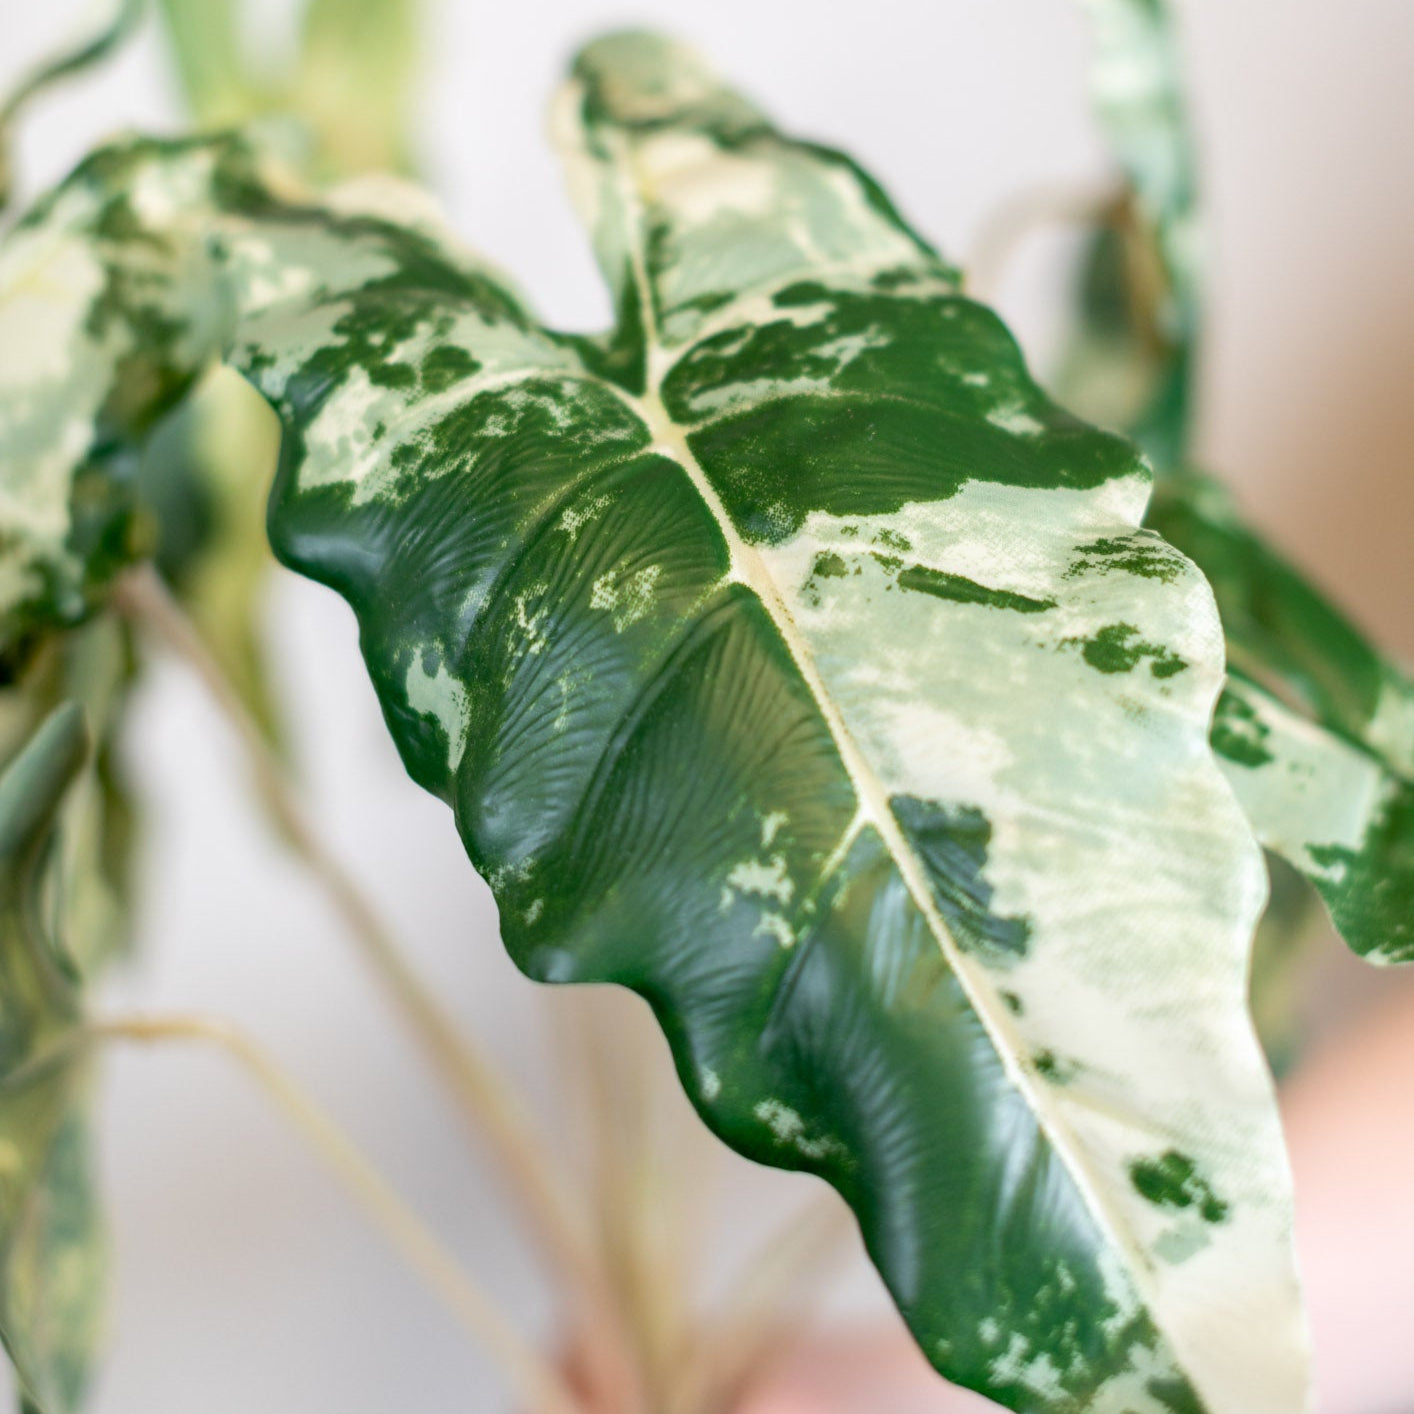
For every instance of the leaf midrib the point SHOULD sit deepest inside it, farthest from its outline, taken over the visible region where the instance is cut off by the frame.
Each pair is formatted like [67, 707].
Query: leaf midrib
[747, 565]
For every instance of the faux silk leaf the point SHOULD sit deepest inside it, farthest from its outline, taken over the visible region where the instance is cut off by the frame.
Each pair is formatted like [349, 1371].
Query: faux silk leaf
[788, 657]
[1330, 789]
[51, 1249]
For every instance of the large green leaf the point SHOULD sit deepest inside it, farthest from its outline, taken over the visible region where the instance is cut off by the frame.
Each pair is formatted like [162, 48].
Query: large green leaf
[1329, 788]
[790, 658]
[51, 1250]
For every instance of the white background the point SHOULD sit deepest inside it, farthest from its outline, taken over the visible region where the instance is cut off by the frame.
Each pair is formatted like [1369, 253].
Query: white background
[243, 1280]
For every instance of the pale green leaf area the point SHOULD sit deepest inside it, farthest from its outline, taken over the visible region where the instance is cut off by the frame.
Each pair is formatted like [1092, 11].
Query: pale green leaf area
[51, 1247]
[349, 87]
[1316, 731]
[786, 655]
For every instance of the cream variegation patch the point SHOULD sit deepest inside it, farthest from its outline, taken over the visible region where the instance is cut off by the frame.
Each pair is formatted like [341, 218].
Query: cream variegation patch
[1113, 834]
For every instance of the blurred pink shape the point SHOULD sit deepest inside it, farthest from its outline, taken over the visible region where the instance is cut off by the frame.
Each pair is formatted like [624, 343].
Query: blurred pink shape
[857, 1372]
[1350, 1124]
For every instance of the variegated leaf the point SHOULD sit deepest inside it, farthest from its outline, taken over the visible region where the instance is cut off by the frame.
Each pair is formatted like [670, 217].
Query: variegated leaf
[788, 657]
[1344, 816]
[51, 1249]
[101, 333]
[1330, 791]
[1315, 730]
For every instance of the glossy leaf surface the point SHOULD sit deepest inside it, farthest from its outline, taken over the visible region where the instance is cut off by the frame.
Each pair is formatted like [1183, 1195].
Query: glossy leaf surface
[51, 1250]
[788, 657]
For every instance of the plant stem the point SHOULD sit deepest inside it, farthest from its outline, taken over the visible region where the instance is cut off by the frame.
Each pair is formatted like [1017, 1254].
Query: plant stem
[485, 1100]
[537, 1384]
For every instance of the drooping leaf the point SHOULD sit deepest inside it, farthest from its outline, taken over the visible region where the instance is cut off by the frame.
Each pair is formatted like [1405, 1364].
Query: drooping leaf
[51, 1248]
[788, 657]
[1330, 791]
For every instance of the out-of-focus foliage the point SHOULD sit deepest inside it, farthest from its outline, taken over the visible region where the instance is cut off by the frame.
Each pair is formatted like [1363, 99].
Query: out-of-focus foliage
[350, 85]
[1132, 363]
[92, 666]
[51, 1245]
[89, 52]
[203, 480]
[965, 932]
[187, 489]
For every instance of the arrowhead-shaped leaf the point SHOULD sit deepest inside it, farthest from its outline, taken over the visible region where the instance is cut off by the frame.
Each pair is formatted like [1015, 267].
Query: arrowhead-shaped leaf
[790, 658]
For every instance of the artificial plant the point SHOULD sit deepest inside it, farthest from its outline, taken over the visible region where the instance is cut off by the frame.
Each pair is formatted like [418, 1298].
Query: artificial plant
[786, 655]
